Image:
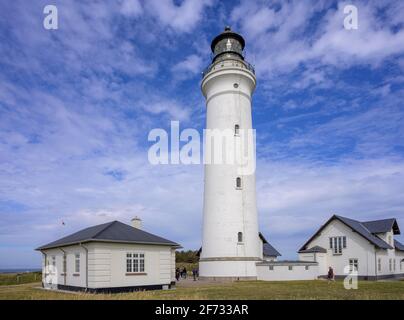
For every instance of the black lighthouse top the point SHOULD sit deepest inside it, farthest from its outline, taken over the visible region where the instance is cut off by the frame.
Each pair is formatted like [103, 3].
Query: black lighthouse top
[228, 44]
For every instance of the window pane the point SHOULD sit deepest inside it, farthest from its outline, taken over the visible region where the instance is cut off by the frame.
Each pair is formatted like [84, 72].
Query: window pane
[135, 265]
[330, 243]
[129, 265]
[77, 262]
[344, 242]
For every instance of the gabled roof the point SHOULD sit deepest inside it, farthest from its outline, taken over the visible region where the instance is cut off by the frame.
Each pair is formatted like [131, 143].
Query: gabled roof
[314, 250]
[398, 245]
[262, 237]
[381, 226]
[267, 249]
[270, 251]
[356, 226]
[114, 231]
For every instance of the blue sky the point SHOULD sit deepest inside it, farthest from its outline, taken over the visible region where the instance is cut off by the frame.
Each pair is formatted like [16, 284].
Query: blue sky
[77, 104]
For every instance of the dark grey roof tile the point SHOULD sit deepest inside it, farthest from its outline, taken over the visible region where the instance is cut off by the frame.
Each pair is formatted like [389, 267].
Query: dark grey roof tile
[114, 231]
[356, 226]
[381, 226]
[398, 245]
[314, 249]
[270, 251]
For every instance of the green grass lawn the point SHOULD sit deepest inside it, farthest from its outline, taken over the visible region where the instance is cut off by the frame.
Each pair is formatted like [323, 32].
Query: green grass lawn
[318, 289]
[19, 278]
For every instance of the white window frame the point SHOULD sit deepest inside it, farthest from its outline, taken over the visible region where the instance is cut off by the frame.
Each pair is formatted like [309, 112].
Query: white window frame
[135, 262]
[77, 263]
[337, 244]
[353, 262]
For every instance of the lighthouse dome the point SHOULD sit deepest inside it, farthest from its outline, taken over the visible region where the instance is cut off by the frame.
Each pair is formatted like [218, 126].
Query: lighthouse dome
[228, 44]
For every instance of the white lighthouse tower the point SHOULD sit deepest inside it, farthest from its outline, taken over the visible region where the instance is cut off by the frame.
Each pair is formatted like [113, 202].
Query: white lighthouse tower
[231, 245]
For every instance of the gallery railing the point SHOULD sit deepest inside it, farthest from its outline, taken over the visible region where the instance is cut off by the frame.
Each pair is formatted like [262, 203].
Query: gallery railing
[228, 63]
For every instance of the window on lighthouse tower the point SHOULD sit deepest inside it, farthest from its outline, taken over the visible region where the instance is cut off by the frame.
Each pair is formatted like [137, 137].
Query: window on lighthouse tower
[240, 237]
[236, 130]
[238, 183]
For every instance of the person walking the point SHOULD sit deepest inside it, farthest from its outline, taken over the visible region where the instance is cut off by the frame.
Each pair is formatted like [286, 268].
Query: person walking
[184, 273]
[177, 274]
[330, 274]
[195, 273]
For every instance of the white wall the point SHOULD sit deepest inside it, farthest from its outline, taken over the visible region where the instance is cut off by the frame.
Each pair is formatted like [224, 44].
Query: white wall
[395, 257]
[357, 247]
[281, 272]
[71, 278]
[228, 210]
[104, 272]
[320, 258]
[107, 265]
[229, 269]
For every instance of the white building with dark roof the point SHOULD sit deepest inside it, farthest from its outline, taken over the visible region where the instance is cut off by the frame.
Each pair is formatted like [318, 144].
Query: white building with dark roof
[110, 257]
[368, 246]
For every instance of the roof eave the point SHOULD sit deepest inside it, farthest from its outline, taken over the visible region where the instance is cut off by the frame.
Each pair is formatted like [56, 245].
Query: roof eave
[173, 244]
[318, 231]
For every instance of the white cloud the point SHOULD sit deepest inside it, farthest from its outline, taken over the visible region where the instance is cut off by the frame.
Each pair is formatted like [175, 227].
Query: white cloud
[131, 8]
[182, 18]
[171, 108]
[85, 104]
[295, 198]
[293, 42]
[189, 67]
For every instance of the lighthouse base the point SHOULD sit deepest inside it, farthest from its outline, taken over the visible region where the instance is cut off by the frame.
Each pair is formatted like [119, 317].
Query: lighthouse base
[227, 269]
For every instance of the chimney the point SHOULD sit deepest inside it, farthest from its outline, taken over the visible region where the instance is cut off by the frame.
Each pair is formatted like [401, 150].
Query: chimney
[137, 222]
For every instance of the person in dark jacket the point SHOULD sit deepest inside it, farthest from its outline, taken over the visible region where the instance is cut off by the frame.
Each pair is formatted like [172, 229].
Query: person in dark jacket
[330, 275]
[177, 274]
[184, 273]
[195, 273]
